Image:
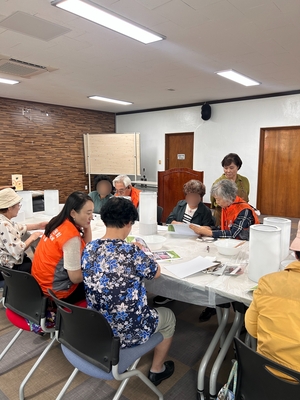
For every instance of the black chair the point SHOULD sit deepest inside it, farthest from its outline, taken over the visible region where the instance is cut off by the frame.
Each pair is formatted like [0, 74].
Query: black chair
[159, 215]
[256, 382]
[24, 301]
[88, 344]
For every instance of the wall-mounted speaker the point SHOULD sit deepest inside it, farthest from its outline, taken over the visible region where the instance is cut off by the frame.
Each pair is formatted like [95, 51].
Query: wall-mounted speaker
[206, 112]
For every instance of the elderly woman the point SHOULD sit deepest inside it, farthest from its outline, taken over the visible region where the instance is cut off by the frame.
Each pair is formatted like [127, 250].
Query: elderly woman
[274, 314]
[231, 165]
[237, 215]
[114, 273]
[12, 248]
[57, 259]
[191, 210]
[123, 186]
[102, 193]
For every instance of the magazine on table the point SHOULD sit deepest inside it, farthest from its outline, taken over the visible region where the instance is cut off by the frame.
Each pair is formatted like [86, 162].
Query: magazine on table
[182, 229]
[159, 255]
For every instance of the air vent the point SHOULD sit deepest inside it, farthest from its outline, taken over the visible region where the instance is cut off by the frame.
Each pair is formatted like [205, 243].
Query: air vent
[23, 69]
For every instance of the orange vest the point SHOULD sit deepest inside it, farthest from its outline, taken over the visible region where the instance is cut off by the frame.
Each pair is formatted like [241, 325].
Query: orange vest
[135, 196]
[47, 265]
[230, 213]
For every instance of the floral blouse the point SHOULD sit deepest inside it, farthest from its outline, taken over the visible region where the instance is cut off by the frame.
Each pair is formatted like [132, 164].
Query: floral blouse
[113, 273]
[11, 246]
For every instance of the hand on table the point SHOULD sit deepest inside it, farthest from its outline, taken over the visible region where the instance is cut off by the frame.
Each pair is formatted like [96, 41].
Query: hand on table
[201, 230]
[35, 235]
[42, 224]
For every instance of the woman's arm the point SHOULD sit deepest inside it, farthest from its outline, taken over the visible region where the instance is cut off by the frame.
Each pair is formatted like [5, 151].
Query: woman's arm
[40, 225]
[72, 259]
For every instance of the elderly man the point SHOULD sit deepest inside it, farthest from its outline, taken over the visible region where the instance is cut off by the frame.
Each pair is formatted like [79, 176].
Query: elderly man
[123, 186]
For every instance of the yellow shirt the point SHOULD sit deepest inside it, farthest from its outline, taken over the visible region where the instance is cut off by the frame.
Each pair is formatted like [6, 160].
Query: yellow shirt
[274, 316]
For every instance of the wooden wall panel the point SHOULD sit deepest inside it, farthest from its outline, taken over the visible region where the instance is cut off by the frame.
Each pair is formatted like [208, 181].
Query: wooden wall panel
[47, 150]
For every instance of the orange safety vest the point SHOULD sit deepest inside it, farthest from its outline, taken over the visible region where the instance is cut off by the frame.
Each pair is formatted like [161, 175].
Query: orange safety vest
[47, 265]
[135, 196]
[230, 213]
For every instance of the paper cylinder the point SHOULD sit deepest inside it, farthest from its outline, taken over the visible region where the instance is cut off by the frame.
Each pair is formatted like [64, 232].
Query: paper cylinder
[264, 250]
[51, 199]
[285, 225]
[148, 213]
[26, 202]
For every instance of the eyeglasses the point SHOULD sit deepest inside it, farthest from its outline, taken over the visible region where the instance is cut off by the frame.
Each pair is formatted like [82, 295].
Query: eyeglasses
[18, 205]
[122, 191]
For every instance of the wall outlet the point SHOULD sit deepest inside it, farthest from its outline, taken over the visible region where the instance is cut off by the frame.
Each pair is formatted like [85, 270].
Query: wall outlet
[159, 162]
[85, 188]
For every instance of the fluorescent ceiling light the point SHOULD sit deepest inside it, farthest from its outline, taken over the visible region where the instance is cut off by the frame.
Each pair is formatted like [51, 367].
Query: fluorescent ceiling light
[8, 81]
[123, 103]
[239, 78]
[101, 16]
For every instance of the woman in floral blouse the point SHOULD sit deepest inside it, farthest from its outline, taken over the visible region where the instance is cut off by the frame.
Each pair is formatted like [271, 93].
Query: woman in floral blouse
[113, 274]
[12, 247]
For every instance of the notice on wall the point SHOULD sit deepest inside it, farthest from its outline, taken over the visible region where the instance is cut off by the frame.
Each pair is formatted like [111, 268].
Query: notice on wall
[17, 181]
[180, 156]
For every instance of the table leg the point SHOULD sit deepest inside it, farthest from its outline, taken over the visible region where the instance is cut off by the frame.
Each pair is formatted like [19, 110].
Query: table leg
[237, 323]
[210, 350]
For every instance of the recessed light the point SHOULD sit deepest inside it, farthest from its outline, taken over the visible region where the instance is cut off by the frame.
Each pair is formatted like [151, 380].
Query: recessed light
[237, 77]
[124, 103]
[95, 13]
[8, 81]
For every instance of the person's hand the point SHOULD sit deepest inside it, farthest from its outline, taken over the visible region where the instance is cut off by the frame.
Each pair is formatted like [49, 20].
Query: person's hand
[139, 245]
[201, 230]
[42, 224]
[35, 235]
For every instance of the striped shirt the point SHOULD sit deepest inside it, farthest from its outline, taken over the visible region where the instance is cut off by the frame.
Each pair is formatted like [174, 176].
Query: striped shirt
[188, 214]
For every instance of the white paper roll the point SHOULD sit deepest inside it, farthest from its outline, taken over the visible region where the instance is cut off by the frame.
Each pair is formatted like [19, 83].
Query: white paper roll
[285, 225]
[26, 203]
[51, 199]
[264, 250]
[148, 213]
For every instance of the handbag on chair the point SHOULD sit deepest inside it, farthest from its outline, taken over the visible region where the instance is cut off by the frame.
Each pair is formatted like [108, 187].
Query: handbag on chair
[225, 393]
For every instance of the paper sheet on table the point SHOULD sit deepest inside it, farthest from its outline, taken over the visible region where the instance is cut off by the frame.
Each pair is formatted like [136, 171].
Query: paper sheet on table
[181, 229]
[188, 268]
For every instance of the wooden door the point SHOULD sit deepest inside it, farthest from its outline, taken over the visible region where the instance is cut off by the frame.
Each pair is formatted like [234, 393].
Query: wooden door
[179, 150]
[278, 191]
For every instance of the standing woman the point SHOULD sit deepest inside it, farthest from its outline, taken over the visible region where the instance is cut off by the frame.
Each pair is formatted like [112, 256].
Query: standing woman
[57, 259]
[12, 248]
[231, 165]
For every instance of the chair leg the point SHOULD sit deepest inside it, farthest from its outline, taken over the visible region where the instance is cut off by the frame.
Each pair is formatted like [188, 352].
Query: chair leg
[36, 364]
[125, 381]
[11, 343]
[67, 384]
[136, 372]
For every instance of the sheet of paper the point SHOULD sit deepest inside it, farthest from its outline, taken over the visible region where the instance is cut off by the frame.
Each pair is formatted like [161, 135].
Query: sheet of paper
[188, 268]
[181, 229]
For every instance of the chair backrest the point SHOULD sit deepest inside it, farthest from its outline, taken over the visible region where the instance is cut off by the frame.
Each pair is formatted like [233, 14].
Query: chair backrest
[23, 295]
[256, 382]
[86, 333]
[170, 187]
[159, 214]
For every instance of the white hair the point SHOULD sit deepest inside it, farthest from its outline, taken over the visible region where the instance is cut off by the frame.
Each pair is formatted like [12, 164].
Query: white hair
[123, 179]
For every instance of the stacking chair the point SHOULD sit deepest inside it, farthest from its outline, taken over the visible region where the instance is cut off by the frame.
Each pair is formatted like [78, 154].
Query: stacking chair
[24, 300]
[256, 381]
[88, 343]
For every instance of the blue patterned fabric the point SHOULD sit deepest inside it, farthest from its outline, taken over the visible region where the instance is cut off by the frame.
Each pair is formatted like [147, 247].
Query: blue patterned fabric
[113, 273]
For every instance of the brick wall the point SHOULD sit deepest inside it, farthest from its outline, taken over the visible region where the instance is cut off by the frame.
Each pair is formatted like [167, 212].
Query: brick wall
[47, 150]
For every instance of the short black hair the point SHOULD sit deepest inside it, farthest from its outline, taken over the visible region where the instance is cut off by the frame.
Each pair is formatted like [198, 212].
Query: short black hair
[297, 253]
[232, 158]
[118, 212]
[99, 178]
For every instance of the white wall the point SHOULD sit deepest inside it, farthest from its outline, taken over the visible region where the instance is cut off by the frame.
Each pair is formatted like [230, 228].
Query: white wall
[233, 127]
